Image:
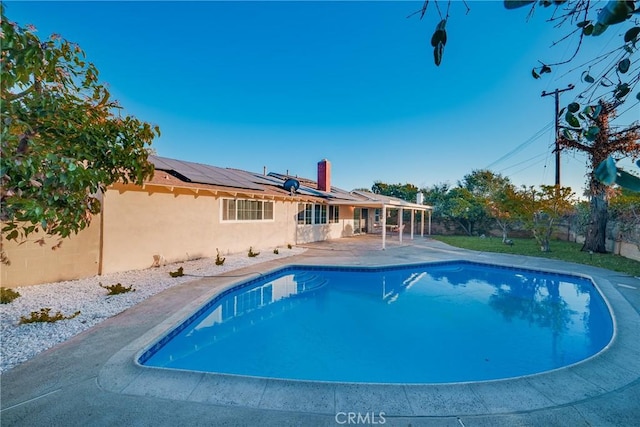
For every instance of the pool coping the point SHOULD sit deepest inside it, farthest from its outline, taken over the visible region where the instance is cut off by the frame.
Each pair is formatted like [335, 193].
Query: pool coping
[614, 367]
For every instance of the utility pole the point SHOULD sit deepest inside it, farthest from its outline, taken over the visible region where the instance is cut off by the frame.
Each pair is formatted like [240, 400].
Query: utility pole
[557, 93]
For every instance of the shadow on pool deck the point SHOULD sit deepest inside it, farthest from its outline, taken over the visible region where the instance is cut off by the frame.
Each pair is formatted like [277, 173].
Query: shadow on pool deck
[92, 379]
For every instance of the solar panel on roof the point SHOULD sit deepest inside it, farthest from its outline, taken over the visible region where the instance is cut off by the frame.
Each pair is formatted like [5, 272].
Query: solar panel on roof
[206, 174]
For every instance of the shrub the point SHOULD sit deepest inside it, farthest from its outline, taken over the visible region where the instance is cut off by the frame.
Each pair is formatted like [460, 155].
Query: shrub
[178, 273]
[43, 316]
[289, 246]
[253, 254]
[7, 295]
[276, 251]
[117, 289]
[219, 259]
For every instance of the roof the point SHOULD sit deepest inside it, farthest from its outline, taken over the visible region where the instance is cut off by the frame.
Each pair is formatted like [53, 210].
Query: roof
[179, 173]
[369, 199]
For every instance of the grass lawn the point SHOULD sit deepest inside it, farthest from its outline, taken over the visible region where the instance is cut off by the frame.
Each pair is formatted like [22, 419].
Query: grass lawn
[565, 251]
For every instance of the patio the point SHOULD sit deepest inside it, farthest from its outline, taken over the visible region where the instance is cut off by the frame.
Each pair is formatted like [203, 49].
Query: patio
[92, 380]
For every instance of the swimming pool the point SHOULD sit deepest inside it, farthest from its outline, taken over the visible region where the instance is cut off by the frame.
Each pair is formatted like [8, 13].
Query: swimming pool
[425, 323]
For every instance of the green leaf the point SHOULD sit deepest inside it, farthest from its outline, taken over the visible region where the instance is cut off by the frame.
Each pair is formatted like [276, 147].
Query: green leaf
[438, 51]
[596, 111]
[567, 134]
[572, 120]
[621, 90]
[632, 35]
[606, 172]
[592, 133]
[588, 30]
[623, 66]
[534, 74]
[574, 107]
[583, 24]
[628, 181]
[545, 69]
[440, 34]
[615, 12]
[514, 4]
[598, 29]
[587, 78]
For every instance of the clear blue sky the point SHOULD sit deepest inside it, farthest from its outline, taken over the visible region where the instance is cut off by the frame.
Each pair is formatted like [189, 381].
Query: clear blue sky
[286, 84]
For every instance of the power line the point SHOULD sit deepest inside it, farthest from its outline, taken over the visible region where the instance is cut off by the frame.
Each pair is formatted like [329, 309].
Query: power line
[522, 162]
[531, 139]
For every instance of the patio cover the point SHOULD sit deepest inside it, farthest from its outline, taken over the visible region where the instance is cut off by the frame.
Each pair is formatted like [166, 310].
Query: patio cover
[365, 199]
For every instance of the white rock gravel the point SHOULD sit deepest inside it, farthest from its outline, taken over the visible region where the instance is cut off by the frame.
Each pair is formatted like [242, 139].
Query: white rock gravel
[19, 343]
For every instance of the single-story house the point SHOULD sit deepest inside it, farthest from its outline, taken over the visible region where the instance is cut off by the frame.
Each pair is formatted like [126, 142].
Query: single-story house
[190, 210]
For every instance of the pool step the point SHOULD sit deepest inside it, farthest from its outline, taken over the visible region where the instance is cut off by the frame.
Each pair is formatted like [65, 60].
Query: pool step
[311, 283]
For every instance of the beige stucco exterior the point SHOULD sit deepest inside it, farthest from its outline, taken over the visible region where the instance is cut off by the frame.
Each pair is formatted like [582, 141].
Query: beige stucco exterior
[142, 225]
[177, 224]
[139, 224]
[32, 263]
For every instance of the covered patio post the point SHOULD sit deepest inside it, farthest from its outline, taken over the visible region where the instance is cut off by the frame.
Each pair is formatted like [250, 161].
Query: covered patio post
[413, 213]
[384, 227]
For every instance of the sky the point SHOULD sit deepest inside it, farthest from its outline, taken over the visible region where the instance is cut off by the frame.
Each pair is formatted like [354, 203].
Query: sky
[283, 85]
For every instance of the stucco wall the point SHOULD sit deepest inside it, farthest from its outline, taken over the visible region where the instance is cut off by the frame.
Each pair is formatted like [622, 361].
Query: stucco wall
[317, 232]
[238, 236]
[31, 264]
[140, 224]
[183, 225]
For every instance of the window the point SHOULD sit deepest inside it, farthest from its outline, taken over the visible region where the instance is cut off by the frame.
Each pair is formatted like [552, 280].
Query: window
[228, 210]
[246, 210]
[320, 214]
[305, 211]
[334, 214]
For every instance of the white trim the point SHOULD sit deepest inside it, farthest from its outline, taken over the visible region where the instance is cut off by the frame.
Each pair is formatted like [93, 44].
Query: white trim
[245, 221]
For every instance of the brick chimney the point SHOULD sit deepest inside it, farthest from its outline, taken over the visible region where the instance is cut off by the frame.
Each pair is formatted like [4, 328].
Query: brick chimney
[324, 175]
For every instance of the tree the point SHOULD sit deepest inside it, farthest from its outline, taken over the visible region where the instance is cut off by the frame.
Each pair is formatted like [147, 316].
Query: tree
[625, 210]
[599, 142]
[540, 210]
[63, 141]
[493, 190]
[406, 192]
[502, 207]
[466, 209]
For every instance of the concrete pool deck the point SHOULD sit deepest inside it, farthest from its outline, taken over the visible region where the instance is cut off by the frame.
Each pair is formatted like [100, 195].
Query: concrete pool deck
[92, 379]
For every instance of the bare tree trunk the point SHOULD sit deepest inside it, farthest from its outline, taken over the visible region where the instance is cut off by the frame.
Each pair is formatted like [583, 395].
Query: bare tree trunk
[468, 230]
[595, 237]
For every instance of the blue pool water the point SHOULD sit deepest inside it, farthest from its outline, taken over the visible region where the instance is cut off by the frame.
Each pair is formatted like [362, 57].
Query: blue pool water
[430, 323]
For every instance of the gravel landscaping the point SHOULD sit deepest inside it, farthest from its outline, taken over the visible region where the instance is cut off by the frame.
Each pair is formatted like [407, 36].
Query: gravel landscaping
[21, 342]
